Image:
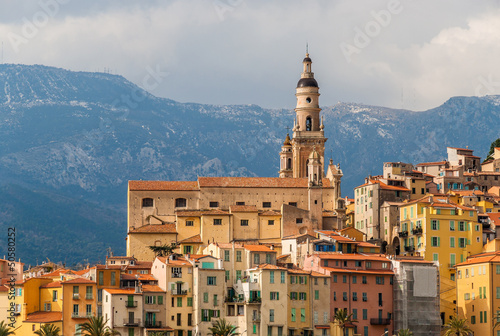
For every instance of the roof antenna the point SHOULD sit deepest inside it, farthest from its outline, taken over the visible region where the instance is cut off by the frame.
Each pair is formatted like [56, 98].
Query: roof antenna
[307, 48]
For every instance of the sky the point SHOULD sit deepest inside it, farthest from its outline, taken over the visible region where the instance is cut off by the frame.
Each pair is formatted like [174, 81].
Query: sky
[401, 54]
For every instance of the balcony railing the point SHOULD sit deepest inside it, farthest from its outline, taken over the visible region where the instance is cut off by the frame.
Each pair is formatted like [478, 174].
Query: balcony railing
[79, 315]
[410, 248]
[88, 296]
[417, 231]
[234, 299]
[151, 324]
[177, 275]
[130, 304]
[76, 296]
[403, 233]
[380, 321]
[179, 291]
[256, 318]
[131, 322]
[255, 300]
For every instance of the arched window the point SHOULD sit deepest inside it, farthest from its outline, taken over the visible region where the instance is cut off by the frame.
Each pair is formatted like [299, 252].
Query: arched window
[180, 203]
[289, 163]
[147, 202]
[308, 124]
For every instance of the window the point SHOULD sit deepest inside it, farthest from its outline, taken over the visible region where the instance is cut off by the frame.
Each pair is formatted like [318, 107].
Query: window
[379, 280]
[293, 295]
[292, 204]
[462, 242]
[189, 301]
[238, 275]
[452, 225]
[354, 296]
[302, 314]
[293, 314]
[365, 314]
[217, 221]
[435, 224]
[214, 204]
[335, 278]
[216, 300]
[179, 302]
[271, 315]
[180, 202]
[365, 297]
[189, 223]
[266, 204]
[452, 241]
[54, 295]
[238, 256]
[268, 258]
[270, 222]
[461, 226]
[227, 275]
[147, 202]
[101, 278]
[302, 296]
[435, 241]
[271, 277]
[363, 280]
[344, 296]
[211, 281]
[283, 275]
[205, 297]
[226, 255]
[274, 295]
[240, 203]
[150, 299]
[368, 264]
[344, 278]
[316, 295]
[256, 258]
[298, 220]
[244, 222]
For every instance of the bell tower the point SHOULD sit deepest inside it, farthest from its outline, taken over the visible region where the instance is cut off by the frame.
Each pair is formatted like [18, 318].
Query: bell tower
[308, 133]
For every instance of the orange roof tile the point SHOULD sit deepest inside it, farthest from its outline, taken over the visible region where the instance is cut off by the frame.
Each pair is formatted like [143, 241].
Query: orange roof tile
[270, 267]
[215, 212]
[431, 163]
[366, 244]
[192, 240]
[258, 248]
[122, 291]
[188, 213]
[44, 317]
[55, 284]
[78, 281]
[152, 289]
[351, 256]
[384, 186]
[4, 288]
[495, 218]
[351, 270]
[155, 228]
[270, 213]
[481, 258]
[163, 185]
[140, 265]
[316, 274]
[58, 272]
[147, 277]
[256, 182]
[243, 208]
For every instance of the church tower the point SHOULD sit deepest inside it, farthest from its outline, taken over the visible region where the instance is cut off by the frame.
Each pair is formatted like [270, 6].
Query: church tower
[286, 158]
[308, 133]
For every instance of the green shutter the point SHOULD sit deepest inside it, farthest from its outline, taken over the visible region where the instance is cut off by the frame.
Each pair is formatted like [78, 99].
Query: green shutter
[438, 224]
[277, 295]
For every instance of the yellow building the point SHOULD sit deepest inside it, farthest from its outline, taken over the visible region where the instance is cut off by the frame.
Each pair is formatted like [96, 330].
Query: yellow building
[299, 303]
[439, 230]
[478, 292]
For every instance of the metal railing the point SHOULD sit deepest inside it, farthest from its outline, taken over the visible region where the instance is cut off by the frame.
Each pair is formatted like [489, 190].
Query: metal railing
[130, 304]
[179, 291]
[380, 321]
[131, 322]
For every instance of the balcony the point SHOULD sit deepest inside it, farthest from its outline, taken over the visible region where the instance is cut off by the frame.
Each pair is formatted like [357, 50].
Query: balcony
[380, 321]
[130, 304]
[76, 296]
[410, 248]
[131, 322]
[78, 315]
[234, 299]
[152, 324]
[256, 318]
[88, 297]
[403, 234]
[179, 291]
[255, 300]
[177, 275]
[417, 231]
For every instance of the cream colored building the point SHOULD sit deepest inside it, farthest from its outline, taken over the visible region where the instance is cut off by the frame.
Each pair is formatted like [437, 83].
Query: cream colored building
[245, 209]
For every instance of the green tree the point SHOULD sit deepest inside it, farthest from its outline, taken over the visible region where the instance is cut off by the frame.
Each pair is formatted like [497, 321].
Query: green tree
[404, 332]
[163, 250]
[222, 328]
[457, 326]
[496, 319]
[96, 326]
[48, 330]
[494, 144]
[5, 330]
[342, 319]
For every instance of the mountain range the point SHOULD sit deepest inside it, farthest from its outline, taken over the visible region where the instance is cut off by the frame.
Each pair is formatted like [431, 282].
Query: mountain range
[70, 141]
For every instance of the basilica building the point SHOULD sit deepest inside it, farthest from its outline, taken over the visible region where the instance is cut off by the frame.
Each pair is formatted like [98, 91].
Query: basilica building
[245, 210]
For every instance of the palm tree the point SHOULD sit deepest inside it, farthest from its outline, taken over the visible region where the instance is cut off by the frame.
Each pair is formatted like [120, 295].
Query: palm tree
[404, 332]
[96, 326]
[48, 330]
[342, 319]
[457, 326]
[496, 319]
[5, 330]
[222, 328]
[163, 250]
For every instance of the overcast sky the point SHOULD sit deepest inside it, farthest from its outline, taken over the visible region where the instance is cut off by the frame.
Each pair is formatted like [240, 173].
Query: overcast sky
[410, 54]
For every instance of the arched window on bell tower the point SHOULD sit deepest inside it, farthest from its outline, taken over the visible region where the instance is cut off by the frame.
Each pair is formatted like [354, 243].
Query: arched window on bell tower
[289, 163]
[308, 124]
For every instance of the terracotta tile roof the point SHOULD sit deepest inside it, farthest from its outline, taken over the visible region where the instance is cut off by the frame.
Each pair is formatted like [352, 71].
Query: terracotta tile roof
[409, 259]
[83, 271]
[283, 256]
[336, 236]
[369, 245]
[258, 248]
[140, 265]
[121, 291]
[495, 218]
[329, 214]
[188, 213]
[488, 173]
[192, 240]
[162, 185]
[270, 267]
[384, 186]
[78, 281]
[152, 289]
[297, 236]
[55, 284]
[243, 208]
[297, 271]
[155, 228]
[58, 272]
[199, 256]
[467, 192]
[481, 258]
[110, 267]
[431, 163]
[363, 271]
[215, 212]
[270, 213]
[44, 317]
[351, 256]
[256, 182]
[316, 274]
[147, 277]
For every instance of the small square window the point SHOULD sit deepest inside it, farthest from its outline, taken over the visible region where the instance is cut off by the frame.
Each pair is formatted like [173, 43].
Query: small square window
[214, 204]
[240, 203]
[270, 222]
[266, 204]
[298, 220]
[244, 222]
[189, 223]
[217, 221]
[292, 204]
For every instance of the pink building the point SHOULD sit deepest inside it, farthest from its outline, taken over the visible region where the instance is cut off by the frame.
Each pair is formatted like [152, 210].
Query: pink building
[361, 284]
